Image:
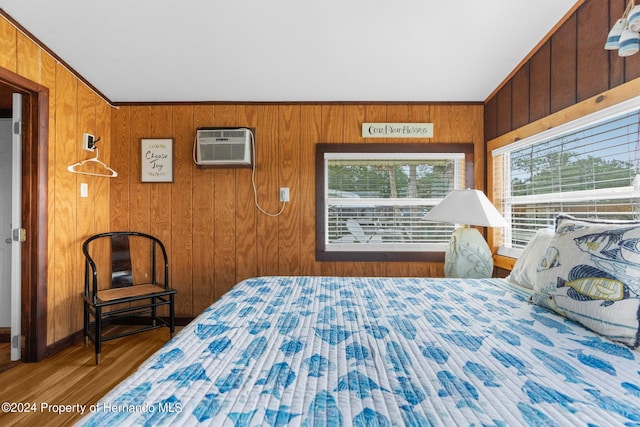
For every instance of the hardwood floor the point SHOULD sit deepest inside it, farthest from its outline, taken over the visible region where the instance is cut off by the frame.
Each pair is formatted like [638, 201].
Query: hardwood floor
[71, 378]
[5, 357]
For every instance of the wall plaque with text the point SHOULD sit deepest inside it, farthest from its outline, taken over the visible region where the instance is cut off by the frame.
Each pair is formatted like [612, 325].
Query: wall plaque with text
[397, 130]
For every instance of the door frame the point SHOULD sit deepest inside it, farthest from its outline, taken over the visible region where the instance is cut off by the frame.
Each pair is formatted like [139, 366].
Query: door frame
[35, 129]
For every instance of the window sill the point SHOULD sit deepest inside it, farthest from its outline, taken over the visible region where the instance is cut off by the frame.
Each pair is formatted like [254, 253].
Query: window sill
[380, 256]
[504, 262]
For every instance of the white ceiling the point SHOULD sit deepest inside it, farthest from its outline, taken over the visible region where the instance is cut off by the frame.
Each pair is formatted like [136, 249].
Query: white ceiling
[291, 50]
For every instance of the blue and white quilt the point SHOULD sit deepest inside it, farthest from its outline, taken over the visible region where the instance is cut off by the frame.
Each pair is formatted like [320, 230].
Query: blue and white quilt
[335, 351]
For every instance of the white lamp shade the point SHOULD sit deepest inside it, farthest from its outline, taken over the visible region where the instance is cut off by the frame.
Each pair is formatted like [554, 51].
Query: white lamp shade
[469, 207]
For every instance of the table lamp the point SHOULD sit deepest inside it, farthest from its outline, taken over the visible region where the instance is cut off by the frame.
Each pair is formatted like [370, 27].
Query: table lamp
[468, 254]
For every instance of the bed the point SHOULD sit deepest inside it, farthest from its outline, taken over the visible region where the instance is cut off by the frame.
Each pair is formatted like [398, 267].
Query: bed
[333, 351]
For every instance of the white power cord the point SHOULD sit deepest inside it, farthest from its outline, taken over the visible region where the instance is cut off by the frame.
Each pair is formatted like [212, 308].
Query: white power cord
[254, 167]
[253, 174]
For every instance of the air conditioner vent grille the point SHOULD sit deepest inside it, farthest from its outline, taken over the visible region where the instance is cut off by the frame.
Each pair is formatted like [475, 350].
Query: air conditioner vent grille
[223, 147]
[234, 133]
[210, 134]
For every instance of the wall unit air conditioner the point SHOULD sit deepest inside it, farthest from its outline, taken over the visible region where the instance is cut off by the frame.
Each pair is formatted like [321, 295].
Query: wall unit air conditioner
[223, 147]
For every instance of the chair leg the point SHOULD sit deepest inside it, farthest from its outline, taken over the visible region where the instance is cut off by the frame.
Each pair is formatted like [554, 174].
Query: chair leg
[172, 317]
[86, 324]
[154, 312]
[98, 337]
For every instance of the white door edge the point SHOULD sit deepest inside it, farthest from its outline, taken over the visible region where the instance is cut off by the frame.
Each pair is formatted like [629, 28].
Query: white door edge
[16, 225]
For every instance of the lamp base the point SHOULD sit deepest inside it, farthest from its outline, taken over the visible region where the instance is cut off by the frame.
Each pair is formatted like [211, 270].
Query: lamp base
[468, 255]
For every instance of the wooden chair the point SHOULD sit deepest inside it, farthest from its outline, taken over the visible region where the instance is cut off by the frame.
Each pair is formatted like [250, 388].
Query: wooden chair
[126, 276]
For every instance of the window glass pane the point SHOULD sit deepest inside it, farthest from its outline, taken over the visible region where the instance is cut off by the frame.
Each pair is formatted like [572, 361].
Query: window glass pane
[378, 178]
[376, 203]
[587, 172]
[599, 156]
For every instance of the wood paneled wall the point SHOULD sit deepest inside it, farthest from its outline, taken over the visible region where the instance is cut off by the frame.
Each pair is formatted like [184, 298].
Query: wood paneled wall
[570, 67]
[207, 219]
[73, 109]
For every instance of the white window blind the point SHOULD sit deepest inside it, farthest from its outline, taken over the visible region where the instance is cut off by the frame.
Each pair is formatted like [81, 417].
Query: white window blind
[587, 170]
[376, 201]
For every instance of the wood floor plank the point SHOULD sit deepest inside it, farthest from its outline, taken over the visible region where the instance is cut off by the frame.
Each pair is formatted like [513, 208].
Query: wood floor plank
[71, 378]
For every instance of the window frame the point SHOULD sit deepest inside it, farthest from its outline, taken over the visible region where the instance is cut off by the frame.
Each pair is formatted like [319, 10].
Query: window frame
[580, 121]
[322, 254]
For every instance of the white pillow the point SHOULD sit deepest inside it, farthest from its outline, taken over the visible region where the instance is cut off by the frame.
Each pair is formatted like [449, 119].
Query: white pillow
[525, 270]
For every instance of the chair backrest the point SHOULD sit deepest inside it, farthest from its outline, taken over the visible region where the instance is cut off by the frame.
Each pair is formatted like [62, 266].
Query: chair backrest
[124, 258]
[121, 271]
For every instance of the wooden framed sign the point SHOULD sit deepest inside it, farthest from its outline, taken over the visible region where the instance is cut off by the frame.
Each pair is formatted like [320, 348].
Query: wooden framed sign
[397, 130]
[156, 159]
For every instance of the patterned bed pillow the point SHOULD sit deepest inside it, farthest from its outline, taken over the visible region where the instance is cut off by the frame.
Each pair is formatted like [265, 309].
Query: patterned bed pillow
[591, 274]
[525, 270]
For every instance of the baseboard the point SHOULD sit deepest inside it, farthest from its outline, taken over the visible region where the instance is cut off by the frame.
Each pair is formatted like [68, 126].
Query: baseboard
[64, 343]
[5, 334]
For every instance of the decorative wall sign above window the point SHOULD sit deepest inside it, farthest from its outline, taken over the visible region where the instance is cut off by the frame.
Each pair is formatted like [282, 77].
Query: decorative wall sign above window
[397, 130]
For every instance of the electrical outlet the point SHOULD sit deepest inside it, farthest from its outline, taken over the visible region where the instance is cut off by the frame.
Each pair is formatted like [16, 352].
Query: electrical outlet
[88, 142]
[284, 194]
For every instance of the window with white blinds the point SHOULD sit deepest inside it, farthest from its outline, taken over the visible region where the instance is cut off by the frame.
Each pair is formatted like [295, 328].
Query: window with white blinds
[587, 169]
[376, 201]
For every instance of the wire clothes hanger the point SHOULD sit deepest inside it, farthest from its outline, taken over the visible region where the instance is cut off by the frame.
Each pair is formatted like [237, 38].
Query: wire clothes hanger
[108, 171]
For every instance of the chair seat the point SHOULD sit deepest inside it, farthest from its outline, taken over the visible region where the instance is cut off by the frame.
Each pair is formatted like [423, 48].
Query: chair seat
[109, 295]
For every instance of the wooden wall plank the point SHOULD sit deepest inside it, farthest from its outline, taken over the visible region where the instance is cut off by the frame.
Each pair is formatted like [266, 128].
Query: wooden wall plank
[49, 80]
[563, 60]
[8, 41]
[246, 223]
[520, 97]
[182, 210]
[267, 163]
[288, 176]
[139, 219]
[505, 111]
[161, 126]
[101, 188]
[631, 68]
[441, 115]
[225, 212]
[491, 118]
[28, 58]
[120, 202]
[85, 206]
[592, 74]
[65, 254]
[540, 84]
[203, 223]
